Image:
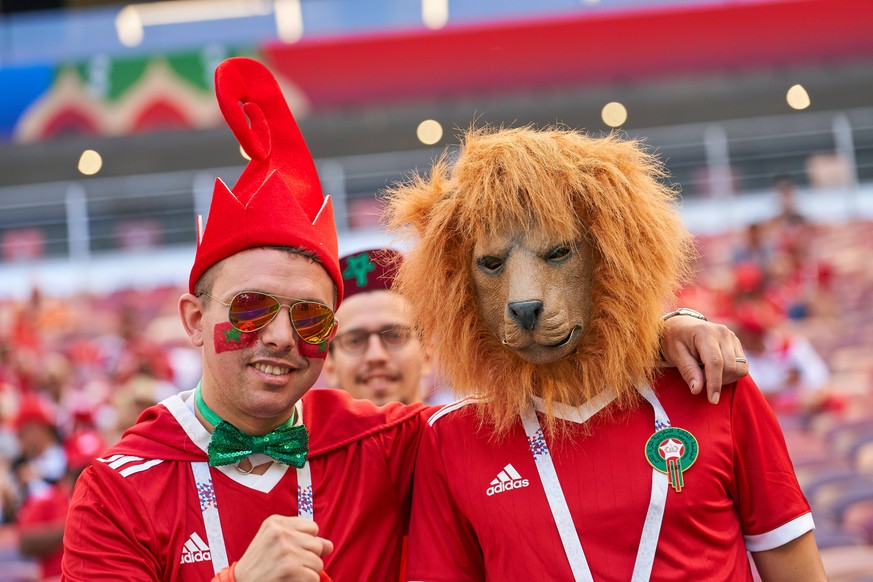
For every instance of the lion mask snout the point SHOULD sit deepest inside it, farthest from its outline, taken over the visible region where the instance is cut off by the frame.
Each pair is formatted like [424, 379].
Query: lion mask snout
[525, 313]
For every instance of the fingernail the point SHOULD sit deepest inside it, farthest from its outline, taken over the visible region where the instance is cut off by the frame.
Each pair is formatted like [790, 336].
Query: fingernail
[693, 386]
[714, 398]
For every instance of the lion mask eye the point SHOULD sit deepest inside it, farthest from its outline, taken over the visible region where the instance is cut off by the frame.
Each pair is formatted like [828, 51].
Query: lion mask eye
[489, 264]
[558, 253]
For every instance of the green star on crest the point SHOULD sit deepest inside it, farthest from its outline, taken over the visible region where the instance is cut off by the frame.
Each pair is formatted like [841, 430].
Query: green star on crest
[232, 335]
[358, 267]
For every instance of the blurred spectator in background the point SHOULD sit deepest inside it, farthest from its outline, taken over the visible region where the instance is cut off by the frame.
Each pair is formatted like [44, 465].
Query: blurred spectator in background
[131, 398]
[136, 353]
[786, 367]
[9, 492]
[755, 248]
[780, 254]
[25, 329]
[788, 216]
[41, 518]
[54, 380]
[377, 354]
[804, 281]
[750, 285]
[42, 459]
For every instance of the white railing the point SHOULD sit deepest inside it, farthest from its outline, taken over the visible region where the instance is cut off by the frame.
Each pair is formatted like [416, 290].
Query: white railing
[108, 232]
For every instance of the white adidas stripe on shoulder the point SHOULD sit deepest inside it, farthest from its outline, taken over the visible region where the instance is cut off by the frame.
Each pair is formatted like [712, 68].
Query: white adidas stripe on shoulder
[452, 407]
[118, 462]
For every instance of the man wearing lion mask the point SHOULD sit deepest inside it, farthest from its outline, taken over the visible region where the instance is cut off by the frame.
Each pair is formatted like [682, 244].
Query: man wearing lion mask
[543, 262]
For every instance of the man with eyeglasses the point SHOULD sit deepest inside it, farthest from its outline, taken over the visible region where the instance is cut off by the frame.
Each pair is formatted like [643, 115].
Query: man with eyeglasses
[377, 354]
[228, 480]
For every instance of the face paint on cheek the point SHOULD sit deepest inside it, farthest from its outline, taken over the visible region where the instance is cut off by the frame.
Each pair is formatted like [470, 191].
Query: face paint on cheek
[227, 338]
[317, 351]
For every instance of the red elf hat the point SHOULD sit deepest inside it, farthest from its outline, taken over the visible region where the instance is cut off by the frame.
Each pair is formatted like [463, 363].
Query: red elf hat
[277, 200]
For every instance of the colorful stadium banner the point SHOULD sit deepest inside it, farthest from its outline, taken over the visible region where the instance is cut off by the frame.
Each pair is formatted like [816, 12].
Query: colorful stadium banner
[124, 96]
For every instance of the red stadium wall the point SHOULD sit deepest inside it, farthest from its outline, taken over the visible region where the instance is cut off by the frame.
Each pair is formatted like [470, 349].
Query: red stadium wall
[586, 49]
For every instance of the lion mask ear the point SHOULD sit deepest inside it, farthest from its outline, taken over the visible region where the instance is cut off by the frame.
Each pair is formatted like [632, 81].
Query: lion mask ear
[415, 207]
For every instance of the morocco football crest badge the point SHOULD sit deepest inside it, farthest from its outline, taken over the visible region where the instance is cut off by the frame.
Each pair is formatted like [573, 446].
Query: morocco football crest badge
[672, 451]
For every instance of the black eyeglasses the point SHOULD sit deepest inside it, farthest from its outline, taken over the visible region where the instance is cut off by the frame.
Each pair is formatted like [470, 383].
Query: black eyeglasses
[252, 310]
[355, 342]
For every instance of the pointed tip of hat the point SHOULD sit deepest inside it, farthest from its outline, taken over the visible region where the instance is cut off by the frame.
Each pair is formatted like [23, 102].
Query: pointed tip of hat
[277, 200]
[256, 111]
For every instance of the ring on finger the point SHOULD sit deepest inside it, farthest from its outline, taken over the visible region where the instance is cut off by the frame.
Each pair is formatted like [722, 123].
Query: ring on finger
[741, 360]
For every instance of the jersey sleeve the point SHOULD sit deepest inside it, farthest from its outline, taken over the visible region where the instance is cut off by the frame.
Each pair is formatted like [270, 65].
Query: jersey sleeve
[773, 510]
[442, 543]
[108, 536]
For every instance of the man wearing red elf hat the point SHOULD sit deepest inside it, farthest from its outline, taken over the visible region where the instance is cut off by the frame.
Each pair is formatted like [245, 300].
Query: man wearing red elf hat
[228, 480]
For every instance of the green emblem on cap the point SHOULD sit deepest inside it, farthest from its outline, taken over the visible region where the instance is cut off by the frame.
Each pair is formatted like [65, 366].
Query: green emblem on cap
[672, 451]
[357, 268]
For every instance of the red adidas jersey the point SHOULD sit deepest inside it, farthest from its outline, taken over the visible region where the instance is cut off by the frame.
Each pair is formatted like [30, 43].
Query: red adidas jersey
[480, 510]
[136, 512]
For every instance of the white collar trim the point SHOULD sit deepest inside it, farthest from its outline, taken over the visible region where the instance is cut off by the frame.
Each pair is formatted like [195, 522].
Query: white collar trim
[577, 414]
[581, 414]
[181, 406]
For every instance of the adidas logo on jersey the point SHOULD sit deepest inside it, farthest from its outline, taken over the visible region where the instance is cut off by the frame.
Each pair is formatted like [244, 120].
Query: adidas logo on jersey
[506, 480]
[195, 550]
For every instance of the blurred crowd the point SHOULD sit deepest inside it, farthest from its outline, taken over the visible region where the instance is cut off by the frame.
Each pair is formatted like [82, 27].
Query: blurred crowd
[75, 372]
[790, 289]
[799, 295]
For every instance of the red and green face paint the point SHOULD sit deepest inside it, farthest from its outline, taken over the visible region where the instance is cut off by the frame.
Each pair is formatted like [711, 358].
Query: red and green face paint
[318, 351]
[227, 338]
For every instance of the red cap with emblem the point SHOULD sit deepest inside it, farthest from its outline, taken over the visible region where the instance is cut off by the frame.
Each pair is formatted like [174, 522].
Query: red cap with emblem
[371, 270]
[277, 200]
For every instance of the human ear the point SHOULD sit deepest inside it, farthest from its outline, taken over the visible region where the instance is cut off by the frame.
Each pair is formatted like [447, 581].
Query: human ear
[191, 313]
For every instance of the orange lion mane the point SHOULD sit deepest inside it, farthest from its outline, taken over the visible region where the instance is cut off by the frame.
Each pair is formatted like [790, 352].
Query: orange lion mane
[608, 191]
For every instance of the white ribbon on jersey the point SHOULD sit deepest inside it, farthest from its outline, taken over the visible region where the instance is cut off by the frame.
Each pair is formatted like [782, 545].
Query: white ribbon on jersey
[214, 534]
[561, 511]
[209, 507]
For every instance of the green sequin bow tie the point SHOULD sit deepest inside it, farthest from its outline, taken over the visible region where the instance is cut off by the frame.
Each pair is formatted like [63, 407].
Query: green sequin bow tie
[288, 444]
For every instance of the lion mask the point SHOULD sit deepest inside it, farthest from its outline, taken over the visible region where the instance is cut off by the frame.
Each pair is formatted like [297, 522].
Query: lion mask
[543, 261]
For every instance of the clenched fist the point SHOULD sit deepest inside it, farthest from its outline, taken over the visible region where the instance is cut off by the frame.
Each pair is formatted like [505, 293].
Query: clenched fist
[285, 548]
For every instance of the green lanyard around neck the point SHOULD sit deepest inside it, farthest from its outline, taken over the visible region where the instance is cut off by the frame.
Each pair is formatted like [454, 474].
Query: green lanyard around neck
[213, 419]
[287, 444]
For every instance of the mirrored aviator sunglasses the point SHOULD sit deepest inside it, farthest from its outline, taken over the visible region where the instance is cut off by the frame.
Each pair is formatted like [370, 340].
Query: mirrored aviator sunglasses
[250, 311]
